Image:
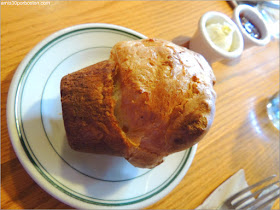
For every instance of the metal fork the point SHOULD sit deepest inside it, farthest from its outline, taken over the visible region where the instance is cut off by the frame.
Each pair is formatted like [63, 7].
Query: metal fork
[248, 202]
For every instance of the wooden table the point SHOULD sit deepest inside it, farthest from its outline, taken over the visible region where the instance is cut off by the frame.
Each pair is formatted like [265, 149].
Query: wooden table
[241, 136]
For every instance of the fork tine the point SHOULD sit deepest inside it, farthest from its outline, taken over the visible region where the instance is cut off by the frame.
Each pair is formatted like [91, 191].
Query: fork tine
[249, 188]
[268, 202]
[262, 198]
[235, 205]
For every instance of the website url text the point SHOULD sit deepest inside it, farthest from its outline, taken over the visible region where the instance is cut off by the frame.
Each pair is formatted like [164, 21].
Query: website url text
[25, 3]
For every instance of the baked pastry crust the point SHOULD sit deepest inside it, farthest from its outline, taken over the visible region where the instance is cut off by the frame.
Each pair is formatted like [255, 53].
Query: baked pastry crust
[88, 110]
[150, 99]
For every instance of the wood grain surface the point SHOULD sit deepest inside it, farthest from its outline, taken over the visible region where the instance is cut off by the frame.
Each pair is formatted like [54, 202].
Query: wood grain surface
[241, 136]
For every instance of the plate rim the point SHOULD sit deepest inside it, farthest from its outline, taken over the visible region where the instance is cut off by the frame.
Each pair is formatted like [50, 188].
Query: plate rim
[22, 154]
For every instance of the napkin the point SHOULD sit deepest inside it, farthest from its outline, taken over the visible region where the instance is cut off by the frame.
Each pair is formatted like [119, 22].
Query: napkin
[234, 184]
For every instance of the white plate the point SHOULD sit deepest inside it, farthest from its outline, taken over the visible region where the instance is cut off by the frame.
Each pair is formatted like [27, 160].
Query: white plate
[37, 133]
